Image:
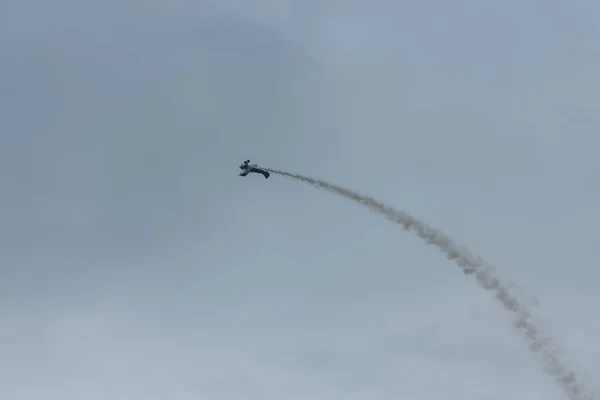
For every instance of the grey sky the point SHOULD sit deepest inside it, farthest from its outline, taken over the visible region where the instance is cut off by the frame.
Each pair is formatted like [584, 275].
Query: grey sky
[136, 265]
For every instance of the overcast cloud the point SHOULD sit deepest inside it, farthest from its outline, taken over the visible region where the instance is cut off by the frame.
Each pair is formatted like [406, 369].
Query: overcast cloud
[136, 265]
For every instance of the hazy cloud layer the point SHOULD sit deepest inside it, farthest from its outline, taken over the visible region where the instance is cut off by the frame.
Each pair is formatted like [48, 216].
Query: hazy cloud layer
[136, 265]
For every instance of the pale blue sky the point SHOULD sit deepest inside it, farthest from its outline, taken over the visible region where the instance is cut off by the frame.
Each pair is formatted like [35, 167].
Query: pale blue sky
[135, 264]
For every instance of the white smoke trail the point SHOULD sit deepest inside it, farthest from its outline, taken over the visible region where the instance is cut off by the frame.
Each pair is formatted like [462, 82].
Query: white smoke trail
[486, 276]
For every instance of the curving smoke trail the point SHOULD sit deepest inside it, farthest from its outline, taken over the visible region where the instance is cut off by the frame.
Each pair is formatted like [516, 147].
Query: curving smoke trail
[486, 276]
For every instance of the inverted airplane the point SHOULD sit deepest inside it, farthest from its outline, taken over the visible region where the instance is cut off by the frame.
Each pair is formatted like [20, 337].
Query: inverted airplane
[247, 168]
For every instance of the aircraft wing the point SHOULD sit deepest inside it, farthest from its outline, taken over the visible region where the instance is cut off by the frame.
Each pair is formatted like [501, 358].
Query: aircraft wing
[259, 170]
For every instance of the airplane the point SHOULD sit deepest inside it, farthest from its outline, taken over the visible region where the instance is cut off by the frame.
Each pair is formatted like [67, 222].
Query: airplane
[247, 168]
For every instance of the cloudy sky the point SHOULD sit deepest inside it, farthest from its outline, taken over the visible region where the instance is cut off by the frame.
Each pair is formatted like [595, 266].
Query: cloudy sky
[136, 265]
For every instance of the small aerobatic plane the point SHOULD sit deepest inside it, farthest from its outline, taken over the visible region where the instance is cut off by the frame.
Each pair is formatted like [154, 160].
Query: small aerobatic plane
[247, 168]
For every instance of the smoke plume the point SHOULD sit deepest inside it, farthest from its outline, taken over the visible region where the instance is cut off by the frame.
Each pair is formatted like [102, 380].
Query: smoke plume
[486, 276]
